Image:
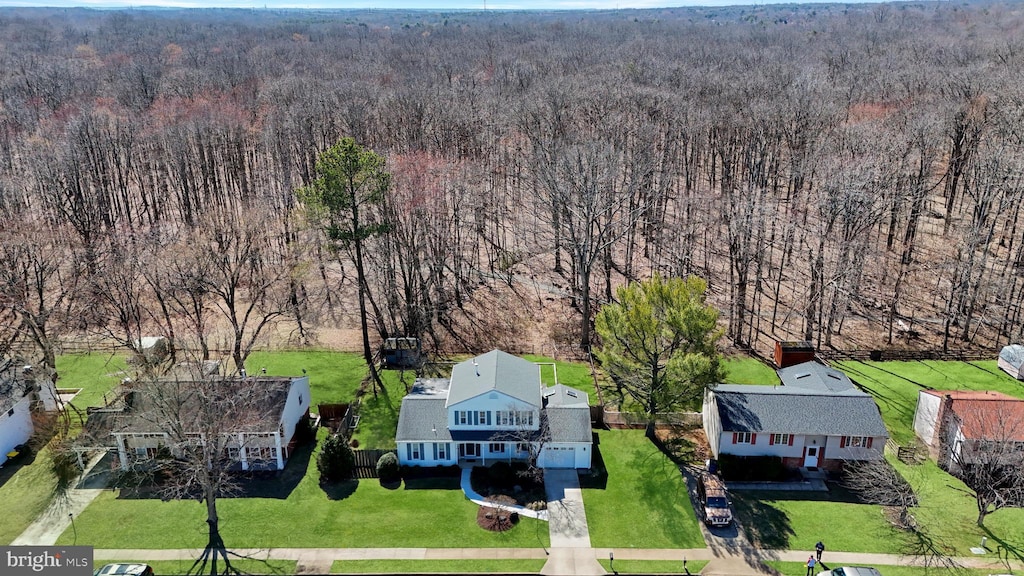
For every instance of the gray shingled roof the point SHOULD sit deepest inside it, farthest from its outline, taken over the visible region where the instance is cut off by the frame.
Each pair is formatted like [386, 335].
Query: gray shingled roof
[562, 395]
[495, 370]
[423, 416]
[777, 410]
[815, 376]
[569, 424]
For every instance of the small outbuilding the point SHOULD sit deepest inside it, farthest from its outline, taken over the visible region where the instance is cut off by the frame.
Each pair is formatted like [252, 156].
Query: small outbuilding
[1011, 360]
[792, 353]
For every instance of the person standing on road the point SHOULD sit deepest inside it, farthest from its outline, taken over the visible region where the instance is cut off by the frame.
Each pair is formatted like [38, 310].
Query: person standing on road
[810, 565]
[819, 548]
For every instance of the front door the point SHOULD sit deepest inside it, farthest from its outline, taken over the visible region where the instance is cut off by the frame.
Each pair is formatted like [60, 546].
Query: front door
[811, 458]
[470, 450]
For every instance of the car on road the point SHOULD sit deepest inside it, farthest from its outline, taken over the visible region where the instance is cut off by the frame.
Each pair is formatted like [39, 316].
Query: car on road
[716, 510]
[124, 570]
[851, 571]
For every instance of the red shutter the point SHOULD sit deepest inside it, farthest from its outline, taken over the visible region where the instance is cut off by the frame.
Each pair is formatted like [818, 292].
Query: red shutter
[842, 441]
[869, 441]
[733, 437]
[753, 438]
[790, 439]
[771, 439]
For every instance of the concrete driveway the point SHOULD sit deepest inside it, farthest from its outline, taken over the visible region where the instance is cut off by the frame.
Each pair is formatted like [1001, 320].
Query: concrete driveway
[567, 520]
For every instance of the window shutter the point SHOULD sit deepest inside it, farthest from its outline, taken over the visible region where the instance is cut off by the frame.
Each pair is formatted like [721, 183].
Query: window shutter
[733, 437]
[408, 451]
[771, 439]
[790, 439]
[753, 438]
[869, 441]
[488, 417]
[842, 441]
[435, 450]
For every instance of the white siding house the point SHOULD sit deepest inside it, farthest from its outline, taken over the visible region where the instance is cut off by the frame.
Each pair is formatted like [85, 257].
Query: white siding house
[815, 419]
[494, 408]
[21, 394]
[263, 442]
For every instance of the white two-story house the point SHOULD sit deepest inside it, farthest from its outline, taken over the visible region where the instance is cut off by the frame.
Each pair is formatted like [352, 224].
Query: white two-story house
[494, 408]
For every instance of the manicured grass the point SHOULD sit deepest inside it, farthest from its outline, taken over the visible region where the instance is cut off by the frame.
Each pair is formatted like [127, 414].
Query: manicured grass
[653, 566]
[739, 370]
[800, 569]
[895, 386]
[528, 566]
[96, 373]
[294, 511]
[334, 377]
[949, 515]
[244, 565]
[25, 490]
[378, 415]
[573, 374]
[645, 503]
[796, 520]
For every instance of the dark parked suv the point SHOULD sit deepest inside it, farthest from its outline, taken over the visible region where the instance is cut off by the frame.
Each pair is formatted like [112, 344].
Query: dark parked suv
[714, 500]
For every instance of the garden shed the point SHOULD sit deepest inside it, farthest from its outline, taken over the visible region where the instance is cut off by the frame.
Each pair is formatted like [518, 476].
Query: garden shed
[1010, 360]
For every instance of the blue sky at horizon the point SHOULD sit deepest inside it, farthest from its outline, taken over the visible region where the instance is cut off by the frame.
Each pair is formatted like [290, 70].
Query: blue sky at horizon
[399, 4]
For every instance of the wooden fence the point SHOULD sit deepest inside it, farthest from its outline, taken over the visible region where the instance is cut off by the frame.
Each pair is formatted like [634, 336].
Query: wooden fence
[614, 419]
[366, 462]
[906, 454]
[878, 355]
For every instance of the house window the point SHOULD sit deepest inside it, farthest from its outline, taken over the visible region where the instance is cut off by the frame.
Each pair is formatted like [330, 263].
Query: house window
[855, 442]
[440, 451]
[414, 451]
[504, 418]
[524, 418]
[743, 438]
[522, 447]
[483, 418]
[497, 448]
[462, 416]
[234, 453]
[784, 439]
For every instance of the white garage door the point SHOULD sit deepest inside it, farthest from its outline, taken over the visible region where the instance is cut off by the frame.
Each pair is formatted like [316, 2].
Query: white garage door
[559, 457]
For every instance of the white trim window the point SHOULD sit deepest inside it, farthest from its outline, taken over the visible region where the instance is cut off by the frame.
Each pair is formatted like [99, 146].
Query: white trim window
[742, 438]
[497, 448]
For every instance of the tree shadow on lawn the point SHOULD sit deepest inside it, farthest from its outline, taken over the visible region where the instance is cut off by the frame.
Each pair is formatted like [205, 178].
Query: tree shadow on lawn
[339, 490]
[764, 525]
[276, 484]
[1006, 550]
[597, 477]
[660, 488]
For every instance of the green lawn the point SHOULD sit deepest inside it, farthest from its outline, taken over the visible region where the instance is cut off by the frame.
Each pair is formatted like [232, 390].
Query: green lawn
[574, 374]
[895, 385]
[96, 373]
[527, 566]
[796, 520]
[652, 566]
[739, 370]
[244, 565]
[645, 503]
[294, 511]
[25, 490]
[333, 376]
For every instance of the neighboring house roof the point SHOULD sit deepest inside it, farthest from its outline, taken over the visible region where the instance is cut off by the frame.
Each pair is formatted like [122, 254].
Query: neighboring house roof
[1014, 354]
[782, 410]
[423, 417]
[562, 395]
[986, 415]
[519, 378]
[815, 376]
[569, 424]
[12, 387]
[259, 409]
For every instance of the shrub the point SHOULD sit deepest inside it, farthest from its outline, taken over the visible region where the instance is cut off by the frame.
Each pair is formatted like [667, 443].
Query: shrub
[752, 468]
[387, 467]
[500, 475]
[336, 460]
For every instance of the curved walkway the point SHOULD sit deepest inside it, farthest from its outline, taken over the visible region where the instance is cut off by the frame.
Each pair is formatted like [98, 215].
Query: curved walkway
[479, 500]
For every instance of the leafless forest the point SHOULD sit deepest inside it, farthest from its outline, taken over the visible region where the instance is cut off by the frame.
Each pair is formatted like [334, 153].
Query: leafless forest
[851, 175]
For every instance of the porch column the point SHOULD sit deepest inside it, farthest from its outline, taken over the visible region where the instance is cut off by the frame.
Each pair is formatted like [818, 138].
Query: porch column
[280, 456]
[122, 452]
[243, 454]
